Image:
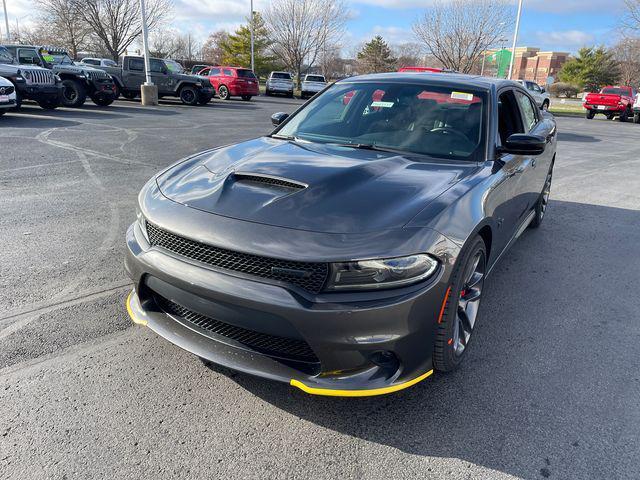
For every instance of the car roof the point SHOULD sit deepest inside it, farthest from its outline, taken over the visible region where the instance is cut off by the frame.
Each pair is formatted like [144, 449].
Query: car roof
[473, 81]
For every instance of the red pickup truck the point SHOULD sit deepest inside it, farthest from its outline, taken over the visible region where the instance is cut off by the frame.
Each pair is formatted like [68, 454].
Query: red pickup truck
[612, 102]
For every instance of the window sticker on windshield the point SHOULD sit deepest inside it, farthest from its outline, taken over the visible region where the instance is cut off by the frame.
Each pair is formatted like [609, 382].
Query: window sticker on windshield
[48, 58]
[462, 96]
[382, 104]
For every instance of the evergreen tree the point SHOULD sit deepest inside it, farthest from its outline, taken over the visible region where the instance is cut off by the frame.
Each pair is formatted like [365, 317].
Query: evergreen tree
[376, 57]
[592, 69]
[236, 48]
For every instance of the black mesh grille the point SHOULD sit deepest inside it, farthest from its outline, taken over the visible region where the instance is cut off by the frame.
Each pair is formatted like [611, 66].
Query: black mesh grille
[287, 348]
[306, 275]
[247, 177]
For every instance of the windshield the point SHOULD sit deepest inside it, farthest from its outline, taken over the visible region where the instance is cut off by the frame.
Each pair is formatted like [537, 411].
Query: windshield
[59, 58]
[283, 75]
[173, 66]
[314, 78]
[424, 119]
[615, 91]
[5, 56]
[245, 73]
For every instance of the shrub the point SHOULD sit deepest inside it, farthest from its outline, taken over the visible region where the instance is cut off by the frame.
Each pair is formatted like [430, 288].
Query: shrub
[562, 89]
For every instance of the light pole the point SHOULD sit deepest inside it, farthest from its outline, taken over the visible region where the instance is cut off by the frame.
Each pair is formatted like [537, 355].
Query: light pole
[515, 39]
[6, 20]
[253, 63]
[148, 91]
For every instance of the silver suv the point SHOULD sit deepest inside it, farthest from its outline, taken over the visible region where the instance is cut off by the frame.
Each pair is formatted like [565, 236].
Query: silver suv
[280, 82]
[540, 95]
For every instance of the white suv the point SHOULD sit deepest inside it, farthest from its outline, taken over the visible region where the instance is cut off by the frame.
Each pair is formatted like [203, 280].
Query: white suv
[280, 82]
[7, 95]
[538, 93]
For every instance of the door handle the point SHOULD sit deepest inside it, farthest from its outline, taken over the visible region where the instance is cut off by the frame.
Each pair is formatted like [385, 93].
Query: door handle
[534, 162]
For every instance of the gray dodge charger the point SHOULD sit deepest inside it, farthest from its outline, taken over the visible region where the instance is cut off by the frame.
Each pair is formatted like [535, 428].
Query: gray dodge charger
[346, 252]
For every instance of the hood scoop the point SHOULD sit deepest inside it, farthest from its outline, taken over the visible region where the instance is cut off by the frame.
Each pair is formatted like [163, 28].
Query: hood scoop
[268, 180]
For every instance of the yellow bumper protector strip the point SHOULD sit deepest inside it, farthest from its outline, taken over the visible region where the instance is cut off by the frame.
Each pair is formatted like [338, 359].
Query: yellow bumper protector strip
[358, 393]
[131, 314]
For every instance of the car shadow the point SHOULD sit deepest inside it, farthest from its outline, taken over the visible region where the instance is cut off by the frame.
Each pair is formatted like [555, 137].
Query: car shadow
[534, 396]
[577, 138]
[82, 113]
[20, 120]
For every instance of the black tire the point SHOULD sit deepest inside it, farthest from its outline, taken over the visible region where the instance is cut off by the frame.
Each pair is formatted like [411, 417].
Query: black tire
[223, 92]
[610, 116]
[636, 117]
[624, 116]
[291, 95]
[590, 114]
[267, 93]
[73, 93]
[447, 355]
[128, 94]
[18, 102]
[189, 95]
[246, 98]
[102, 101]
[3, 111]
[49, 104]
[203, 99]
[543, 201]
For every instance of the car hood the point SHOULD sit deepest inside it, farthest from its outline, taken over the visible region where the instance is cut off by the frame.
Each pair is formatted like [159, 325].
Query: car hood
[14, 67]
[312, 187]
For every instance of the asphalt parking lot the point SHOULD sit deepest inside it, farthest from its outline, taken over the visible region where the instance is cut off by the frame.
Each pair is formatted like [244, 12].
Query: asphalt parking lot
[550, 388]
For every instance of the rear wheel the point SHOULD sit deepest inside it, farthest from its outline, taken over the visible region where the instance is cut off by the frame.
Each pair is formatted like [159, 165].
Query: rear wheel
[624, 116]
[73, 93]
[636, 117]
[188, 95]
[590, 114]
[223, 92]
[543, 201]
[462, 305]
[246, 98]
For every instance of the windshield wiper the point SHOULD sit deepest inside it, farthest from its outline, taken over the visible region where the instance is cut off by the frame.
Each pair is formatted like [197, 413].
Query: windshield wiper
[371, 146]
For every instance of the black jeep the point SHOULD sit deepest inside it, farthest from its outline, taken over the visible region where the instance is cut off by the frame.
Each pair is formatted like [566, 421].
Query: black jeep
[78, 81]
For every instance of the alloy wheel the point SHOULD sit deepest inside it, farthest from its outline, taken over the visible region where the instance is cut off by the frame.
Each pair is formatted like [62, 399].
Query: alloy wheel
[546, 193]
[469, 303]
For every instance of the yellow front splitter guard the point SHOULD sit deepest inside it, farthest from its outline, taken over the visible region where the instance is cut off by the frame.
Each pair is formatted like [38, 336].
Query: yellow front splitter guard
[358, 393]
[136, 320]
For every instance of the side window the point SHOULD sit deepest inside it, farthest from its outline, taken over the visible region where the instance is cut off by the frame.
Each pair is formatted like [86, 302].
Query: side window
[205, 72]
[228, 73]
[529, 115]
[509, 118]
[157, 66]
[28, 56]
[215, 72]
[536, 88]
[136, 64]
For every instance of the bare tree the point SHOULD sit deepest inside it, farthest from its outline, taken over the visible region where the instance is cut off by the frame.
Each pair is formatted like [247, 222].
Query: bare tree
[63, 21]
[457, 32]
[627, 53]
[301, 29]
[631, 18]
[117, 24]
[212, 50]
[408, 54]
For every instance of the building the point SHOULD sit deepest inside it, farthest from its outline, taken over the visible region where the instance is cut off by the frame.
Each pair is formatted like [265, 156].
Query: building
[529, 64]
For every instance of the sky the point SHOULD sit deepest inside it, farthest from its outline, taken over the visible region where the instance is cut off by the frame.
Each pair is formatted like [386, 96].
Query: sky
[564, 25]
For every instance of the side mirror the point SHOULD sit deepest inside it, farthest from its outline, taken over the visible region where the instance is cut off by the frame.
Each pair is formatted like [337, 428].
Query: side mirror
[278, 118]
[544, 90]
[523, 144]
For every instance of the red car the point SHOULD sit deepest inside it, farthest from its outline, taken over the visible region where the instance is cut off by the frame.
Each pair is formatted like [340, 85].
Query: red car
[611, 102]
[232, 82]
[422, 69]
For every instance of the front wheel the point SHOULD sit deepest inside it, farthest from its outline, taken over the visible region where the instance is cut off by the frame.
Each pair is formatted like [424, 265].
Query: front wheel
[223, 92]
[461, 307]
[73, 93]
[48, 104]
[543, 201]
[188, 95]
[102, 101]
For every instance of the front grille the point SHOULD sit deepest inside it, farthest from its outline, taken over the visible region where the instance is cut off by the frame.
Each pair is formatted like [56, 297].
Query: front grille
[98, 75]
[286, 348]
[40, 77]
[6, 90]
[306, 275]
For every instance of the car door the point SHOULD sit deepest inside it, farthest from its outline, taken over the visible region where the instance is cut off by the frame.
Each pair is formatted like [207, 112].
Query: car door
[535, 167]
[133, 74]
[214, 77]
[161, 76]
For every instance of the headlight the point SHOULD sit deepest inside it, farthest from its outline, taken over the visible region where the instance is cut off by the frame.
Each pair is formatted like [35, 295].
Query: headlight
[380, 274]
[27, 75]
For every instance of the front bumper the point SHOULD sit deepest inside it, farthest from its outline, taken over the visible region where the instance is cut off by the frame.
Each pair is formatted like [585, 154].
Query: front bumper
[40, 93]
[106, 90]
[365, 344]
